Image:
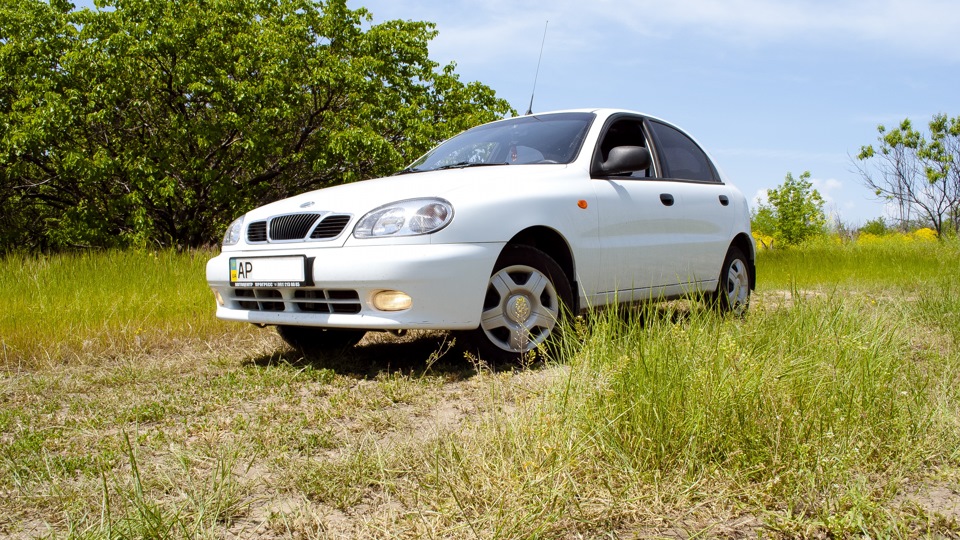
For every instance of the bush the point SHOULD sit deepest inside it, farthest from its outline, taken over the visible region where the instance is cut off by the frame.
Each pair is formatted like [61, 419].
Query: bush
[877, 227]
[925, 234]
[795, 213]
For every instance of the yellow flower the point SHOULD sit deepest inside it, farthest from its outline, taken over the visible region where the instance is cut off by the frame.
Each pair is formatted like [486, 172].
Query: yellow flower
[763, 241]
[868, 238]
[925, 234]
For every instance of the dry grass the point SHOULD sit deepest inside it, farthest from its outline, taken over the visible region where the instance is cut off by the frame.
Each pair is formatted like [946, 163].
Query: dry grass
[231, 437]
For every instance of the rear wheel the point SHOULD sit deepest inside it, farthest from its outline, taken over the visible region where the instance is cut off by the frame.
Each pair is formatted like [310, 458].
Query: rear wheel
[733, 291]
[527, 295]
[312, 340]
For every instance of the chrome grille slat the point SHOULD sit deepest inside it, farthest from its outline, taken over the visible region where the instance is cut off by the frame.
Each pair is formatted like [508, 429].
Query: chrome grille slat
[330, 227]
[257, 232]
[292, 226]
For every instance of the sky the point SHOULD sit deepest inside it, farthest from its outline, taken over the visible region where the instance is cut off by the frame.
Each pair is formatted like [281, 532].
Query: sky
[767, 87]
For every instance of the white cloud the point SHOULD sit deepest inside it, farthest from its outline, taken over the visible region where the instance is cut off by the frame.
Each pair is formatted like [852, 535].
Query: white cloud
[927, 26]
[508, 31]
[760, 198]
[827, 189]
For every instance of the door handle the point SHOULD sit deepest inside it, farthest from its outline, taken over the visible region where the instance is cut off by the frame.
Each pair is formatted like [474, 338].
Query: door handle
[666, 199]
[724, 200]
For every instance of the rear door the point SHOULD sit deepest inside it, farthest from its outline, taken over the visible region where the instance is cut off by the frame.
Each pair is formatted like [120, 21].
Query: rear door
[703, 224]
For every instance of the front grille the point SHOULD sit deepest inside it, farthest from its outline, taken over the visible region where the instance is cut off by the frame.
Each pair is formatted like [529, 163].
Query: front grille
[328, 301]
[257, 232]
[330, 227]
[292, 227]
[259, 299]
[297, 300]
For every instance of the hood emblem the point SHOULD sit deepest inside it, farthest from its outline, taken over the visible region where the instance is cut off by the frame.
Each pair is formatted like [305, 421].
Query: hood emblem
[307, 204]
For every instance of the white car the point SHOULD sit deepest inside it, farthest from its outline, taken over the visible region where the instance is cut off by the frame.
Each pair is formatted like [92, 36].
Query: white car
[497, 232]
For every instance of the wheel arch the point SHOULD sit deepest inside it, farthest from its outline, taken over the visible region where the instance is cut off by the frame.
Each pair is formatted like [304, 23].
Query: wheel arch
[552, 243]
[744, 242]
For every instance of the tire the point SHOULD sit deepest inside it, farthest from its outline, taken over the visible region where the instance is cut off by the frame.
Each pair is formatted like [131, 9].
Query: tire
[733, 290]
[527, 297]
[313, 340]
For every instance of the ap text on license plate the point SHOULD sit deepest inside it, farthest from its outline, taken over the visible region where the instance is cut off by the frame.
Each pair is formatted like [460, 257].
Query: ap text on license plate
[268, 271]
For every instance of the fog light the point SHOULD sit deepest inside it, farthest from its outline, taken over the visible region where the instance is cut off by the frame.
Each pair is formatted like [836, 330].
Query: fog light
[392, 301]
[216, 293]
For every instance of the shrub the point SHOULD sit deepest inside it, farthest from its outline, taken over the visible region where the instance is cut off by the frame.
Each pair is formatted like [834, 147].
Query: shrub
[925, 234]
[876, 227]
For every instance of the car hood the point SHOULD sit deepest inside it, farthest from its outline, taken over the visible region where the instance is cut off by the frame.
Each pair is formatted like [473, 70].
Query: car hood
[358, 198]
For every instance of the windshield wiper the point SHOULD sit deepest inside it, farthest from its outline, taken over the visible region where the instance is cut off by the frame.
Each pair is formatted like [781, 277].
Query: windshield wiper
[459, 165]
[466, 164]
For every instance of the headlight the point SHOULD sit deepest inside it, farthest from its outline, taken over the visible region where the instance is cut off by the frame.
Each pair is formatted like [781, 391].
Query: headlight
[405, 218]
[232, 236]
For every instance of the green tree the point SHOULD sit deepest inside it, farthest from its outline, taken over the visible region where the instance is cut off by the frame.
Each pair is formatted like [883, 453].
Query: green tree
[794, 213]
[918, 173]
[145, 122]
[763, 220]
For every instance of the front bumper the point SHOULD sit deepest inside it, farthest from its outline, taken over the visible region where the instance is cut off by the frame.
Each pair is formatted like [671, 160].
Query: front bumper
[447, 283]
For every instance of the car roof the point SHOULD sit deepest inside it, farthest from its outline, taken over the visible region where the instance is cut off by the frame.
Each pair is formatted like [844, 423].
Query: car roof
[604, 112]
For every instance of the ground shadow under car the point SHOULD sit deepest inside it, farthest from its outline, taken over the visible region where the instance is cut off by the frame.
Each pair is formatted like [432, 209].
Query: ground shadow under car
[439, 353]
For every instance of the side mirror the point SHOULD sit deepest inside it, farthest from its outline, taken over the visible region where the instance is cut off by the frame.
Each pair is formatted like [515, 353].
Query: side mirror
[625, 160]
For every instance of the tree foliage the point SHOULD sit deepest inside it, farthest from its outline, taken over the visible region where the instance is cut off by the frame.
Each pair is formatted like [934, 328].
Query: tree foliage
[876, 227]
[794, 213]
[919, 175]
[155, 123]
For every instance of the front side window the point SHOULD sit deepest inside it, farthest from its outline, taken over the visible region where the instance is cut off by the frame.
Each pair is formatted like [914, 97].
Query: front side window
[552, 138]
[681, 157]
[625, 132]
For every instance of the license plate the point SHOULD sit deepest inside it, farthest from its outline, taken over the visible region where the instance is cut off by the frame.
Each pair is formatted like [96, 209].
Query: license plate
[268, 271]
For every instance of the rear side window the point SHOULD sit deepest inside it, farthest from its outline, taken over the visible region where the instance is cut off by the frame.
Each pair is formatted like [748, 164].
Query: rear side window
[681, 157]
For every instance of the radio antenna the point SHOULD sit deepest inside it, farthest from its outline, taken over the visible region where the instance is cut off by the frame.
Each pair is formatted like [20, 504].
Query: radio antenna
[537, 74]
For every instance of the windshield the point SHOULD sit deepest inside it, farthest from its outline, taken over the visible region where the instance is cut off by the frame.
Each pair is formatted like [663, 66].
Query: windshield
[551, 138]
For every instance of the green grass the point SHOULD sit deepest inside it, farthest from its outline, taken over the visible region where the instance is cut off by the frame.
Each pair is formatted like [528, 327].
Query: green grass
[891, 265]
[78, 307]
[832, 409]
[802, 407]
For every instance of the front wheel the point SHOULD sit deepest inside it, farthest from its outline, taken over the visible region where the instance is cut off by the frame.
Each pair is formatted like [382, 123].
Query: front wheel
[527, 295]
[733, 291]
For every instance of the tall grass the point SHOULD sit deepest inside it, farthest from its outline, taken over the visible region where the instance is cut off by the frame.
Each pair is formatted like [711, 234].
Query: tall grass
[815, 388]
[891, 264]
[809, 419]
[819, 407]
[80, 306]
